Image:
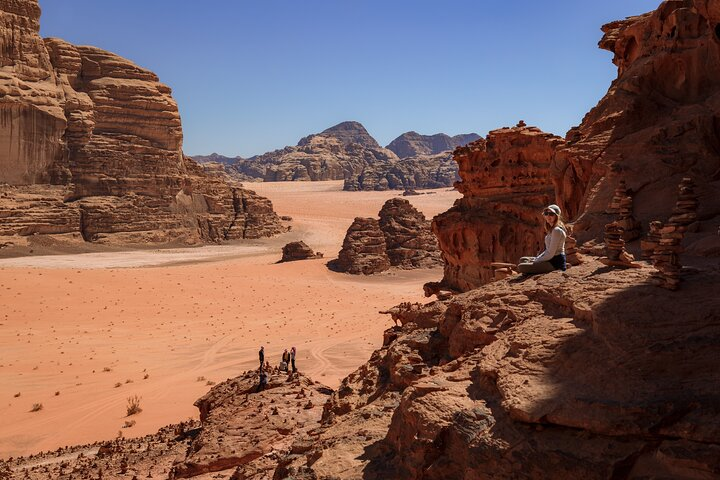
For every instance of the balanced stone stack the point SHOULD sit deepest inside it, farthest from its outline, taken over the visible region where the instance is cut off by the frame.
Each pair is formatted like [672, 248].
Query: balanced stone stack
[571, 252]
[622, 205]
[651, 242]
[615, 247]
[666, 254]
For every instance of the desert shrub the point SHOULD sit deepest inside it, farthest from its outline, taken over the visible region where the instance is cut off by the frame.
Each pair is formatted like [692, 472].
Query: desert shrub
[36, 407]
[129, 423]
[133, 405]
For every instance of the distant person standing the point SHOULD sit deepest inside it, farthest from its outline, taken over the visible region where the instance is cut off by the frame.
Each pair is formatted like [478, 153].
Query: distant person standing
[285, 360]
[261, 354]
[292, 359]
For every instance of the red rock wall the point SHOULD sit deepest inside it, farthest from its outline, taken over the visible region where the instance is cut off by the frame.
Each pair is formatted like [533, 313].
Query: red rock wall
[658, 122]
[505, 185]
[111, 133]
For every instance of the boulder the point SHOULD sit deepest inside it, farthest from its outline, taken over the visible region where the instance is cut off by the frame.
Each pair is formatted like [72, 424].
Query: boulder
[297, 251]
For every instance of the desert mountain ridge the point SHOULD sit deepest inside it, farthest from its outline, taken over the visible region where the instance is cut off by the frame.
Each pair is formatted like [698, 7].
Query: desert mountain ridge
[348, 152]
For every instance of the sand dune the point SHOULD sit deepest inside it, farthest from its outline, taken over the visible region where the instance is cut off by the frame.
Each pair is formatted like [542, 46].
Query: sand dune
[81, 333]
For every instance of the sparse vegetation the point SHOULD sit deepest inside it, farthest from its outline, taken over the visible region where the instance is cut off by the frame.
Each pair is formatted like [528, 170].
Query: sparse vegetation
[128, 381]
[107, 369]
[16, 395]
[118, 385]
[129, 423]
[210, 383]
[133, 405]
[146, 376]
[200, 379]
[57, 393]
[36, 407]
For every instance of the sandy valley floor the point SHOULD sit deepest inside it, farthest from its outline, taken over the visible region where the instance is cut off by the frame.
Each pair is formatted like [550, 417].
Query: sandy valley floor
[81, 333]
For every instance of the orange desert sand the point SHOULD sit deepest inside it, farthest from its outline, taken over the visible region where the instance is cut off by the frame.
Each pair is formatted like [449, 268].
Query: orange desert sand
[81, 333]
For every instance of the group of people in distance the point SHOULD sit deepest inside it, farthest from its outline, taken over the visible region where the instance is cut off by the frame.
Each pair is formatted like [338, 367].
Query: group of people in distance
[287, 362]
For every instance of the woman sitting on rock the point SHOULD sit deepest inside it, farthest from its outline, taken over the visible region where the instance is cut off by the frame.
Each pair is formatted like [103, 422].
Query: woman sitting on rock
[553, 257]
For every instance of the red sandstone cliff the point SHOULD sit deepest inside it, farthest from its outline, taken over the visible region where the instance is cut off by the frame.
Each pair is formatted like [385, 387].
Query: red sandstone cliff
[92, 147]
[505, 184]
[657, 123]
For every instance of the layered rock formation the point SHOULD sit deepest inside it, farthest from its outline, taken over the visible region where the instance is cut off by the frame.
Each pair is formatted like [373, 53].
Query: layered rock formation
[656, 124]
[93, 148]
[347, 151]
[402, 238]
[409, 241]
[363, 250]
[505, 184]
[412, 144]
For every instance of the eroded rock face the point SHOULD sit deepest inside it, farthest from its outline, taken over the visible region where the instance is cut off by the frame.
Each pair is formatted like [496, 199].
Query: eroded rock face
[409, 241]
[110, 133]
[523, 380]
[363, 250]
[505, 184]
[241, 426]
[422, 171]
[348, 152]
[656, 124]
[412, 144]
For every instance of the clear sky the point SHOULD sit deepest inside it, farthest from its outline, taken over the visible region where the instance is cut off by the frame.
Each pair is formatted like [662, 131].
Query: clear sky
[256, 75]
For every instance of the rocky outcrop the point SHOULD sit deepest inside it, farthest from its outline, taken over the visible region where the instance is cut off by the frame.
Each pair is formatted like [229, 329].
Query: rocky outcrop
[656, 124]
[525, 380]
[412, 144]
[294, 251]
[335, 153]
[422, 171]
[348, 152]
[110, 133]
[409, 241]
[243, 433]
[505, 184]
[363, 250]
[402, 238]
[242, 427]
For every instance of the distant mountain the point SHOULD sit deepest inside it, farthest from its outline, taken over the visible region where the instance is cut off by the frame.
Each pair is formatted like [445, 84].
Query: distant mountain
[347, 133]
[411, 144]
[348, 152]
[216, 158]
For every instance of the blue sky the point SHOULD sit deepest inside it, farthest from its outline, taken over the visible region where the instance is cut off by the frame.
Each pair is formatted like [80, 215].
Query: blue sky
[256, 75]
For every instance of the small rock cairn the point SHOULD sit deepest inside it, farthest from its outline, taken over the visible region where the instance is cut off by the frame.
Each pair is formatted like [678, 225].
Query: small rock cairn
[666, 254]
[571, 252]
[615, 248]
[650, 243]
[622, 205]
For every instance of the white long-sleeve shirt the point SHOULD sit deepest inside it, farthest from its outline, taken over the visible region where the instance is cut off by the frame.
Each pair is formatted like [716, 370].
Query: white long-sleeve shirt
[554, 245]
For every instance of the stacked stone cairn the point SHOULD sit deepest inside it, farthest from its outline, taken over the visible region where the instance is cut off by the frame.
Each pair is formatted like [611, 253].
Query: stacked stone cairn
[650, 243]
[622, 205]
[666, 255]
[571, 252]
[615, 247]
